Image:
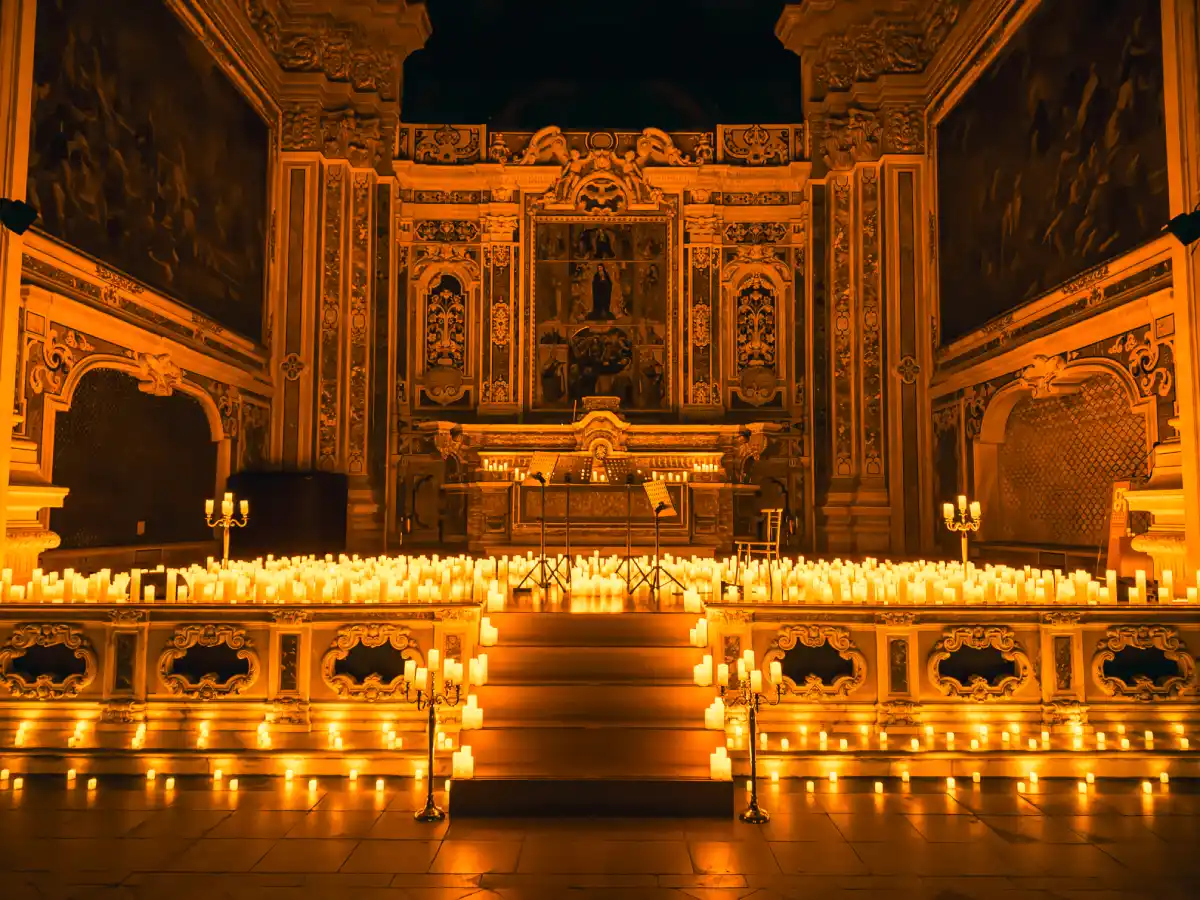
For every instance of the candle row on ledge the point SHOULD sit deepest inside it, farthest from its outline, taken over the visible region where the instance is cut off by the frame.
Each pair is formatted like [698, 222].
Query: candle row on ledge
[1010, 739]
[462, 763]
[491, 581]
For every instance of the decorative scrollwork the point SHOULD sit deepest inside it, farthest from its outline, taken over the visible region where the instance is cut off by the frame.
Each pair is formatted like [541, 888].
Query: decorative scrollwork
[446, 324]
[754, 328]
[1144, 688]
[501, 314]
[58, 359]
[208, 687]
[45, 686]
[374, 634]
[287, 616]
[815, 636]
[292, 367]
[979, 687]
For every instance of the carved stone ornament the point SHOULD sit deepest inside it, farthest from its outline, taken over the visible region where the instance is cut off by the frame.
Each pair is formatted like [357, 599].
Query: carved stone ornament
[208, 687]
[43, 686]
[126, 616]
[896, 618]
[1041, 375]
[123, 712]
[292, 367]
[979, 637]
[1145, 637]
[730, 616]
[374, 634]
[1064, 712]
[287, 616]
[157, 373]
[850, 139]
[899, 714]
[599, 183]
[904, 130]
[446, 144]
[501, 315]
[908, 370]
[495, 391]
[57, 359]
[816, 636]
[1062, 617]
[755, 145]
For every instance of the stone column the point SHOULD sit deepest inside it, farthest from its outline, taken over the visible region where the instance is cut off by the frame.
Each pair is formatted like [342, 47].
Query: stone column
[16, 97]
[702, 395]
[1181, 71]
[499, 336]
[862, 68]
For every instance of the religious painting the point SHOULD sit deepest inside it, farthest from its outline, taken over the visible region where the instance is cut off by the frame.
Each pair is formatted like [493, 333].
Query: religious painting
[601, 312]
[145, 156]
[1054, 161]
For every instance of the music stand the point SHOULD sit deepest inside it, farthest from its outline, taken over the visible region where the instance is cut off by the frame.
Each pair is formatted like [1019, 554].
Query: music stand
[541, 470]
[660, 505]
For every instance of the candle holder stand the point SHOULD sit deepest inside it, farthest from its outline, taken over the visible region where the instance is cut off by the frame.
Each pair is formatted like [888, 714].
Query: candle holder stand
[226, 522]
[744, 695]
[964, 524]
[429, 700]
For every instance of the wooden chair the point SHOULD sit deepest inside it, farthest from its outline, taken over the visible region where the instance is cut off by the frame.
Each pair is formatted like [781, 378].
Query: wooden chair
[769, 546]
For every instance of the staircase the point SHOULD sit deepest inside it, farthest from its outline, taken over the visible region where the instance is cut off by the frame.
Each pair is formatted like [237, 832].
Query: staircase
[596, 707]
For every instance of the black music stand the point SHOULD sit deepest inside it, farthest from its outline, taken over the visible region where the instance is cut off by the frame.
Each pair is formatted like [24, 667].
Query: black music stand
[660, 503]
[541, 470]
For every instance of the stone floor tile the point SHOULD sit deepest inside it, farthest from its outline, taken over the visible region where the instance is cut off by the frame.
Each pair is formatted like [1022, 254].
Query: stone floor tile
[702, 881]
[1033, 829]
[476, 857]
[942, 829]
[817, 858]
[925, 859]
[1083, 860]
[399, 825]
[1105, 830]
[257, 823]
[858, 827]
[733, 858]
[391, 856]
[306, 855]
[566, 854]
[334, 823]
[801, 827]
[221, 855]
[182, 823]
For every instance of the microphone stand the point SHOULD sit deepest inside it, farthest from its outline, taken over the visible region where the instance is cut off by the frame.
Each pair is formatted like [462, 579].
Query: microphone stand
[545, 573]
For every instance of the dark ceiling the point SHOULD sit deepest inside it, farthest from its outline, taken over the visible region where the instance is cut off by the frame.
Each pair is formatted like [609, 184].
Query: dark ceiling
[520, 65]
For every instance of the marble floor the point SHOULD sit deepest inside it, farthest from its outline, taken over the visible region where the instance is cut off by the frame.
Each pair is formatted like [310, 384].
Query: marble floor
[131, 839]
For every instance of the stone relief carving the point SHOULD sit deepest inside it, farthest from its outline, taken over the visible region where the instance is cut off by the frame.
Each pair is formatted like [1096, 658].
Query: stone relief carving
[449, 230]
[850, 139]
[208, 687]
[883, 46]
[904, 130]
[372, 687]
[1145, 637]
[980, 637]
[44, 686]
[157, 374]
[755, 145]
[813, 687]
[755, 232]
[58, 358]
[446, 144]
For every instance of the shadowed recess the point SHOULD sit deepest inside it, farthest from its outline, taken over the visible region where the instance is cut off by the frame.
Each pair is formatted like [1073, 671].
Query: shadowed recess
[968, 663]
[822, 662]
[57, 661]
[1132, 664]
[385, 662]
[219, 663]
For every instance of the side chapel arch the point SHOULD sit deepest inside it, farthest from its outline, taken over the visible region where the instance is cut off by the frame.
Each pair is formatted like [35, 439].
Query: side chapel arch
[1046, 378]
[156, 375]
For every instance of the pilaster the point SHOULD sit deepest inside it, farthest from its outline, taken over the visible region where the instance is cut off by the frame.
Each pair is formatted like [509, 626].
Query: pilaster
[499, 334]
[16, 95]
[702, 378]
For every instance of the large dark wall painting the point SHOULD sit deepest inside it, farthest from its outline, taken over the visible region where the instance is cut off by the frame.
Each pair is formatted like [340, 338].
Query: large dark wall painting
[1054, 160]
[146, 156]
[129, 457]
[600, 325]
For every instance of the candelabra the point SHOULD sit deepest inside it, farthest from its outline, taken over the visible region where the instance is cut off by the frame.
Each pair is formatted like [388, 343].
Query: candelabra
[419, 686]
[226, 522]
[964, 520]
[749, 693]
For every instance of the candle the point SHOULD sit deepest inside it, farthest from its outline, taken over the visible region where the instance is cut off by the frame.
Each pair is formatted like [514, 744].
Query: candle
[245, 508]
[208, 507]
[723, 674]
[776, 669]
[962, 502]
[422, 680]
[756, 681]
[975, 509]
[948, 510]
[312, 784]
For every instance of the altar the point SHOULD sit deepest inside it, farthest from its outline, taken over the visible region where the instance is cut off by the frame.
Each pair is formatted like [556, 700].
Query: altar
[595, 500]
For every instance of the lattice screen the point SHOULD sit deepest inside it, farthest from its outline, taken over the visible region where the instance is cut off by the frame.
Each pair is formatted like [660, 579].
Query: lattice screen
[1059, 460]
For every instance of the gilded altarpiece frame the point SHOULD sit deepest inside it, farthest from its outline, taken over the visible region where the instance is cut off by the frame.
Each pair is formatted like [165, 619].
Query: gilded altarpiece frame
[632, 348]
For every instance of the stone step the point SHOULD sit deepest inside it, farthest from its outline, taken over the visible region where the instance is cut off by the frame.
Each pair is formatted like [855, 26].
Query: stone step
[594, 704]
[593, 629]
[644, 798]
[592, 752]
[582, 664]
